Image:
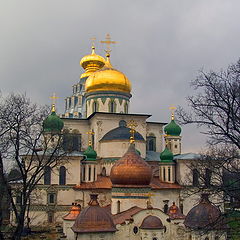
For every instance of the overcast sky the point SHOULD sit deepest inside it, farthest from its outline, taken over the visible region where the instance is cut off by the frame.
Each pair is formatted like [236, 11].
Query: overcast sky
[161, 46]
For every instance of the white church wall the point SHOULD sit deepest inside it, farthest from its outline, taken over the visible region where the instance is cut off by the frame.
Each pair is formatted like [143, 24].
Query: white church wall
[119, 148]
[159, 196]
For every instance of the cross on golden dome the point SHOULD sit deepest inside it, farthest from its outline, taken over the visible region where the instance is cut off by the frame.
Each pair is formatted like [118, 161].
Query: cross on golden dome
[90, 134]
[172, 108]
[132, 125]
[54, 98]
[108, 42]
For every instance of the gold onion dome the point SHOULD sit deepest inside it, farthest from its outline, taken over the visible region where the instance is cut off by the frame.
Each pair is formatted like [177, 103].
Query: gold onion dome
[131, 169]
[91, 63]
[108, 79]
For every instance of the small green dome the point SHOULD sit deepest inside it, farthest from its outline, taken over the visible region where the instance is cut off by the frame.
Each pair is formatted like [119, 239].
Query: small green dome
[166, 155]
[53, 123]
[90, 153]
[173, 129]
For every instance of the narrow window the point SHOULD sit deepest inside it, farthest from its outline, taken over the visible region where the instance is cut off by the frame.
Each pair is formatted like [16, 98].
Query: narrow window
[62, 175]
[89, 173]
[169, 174]
[164, 174]
[112, 106]
[126, 108]
[95, 106]
[47, 175]
[195, 177]
[208, 174]
[103, 173]
[84, 173]
[94, 174]
[51, 198]
[50, 216]
[151, 143]
[118, 206]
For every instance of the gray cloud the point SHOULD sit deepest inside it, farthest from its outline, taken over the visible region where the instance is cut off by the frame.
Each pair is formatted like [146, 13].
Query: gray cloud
[161, 46]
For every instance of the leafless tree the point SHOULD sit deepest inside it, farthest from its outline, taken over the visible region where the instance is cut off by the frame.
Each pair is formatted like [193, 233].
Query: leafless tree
[22, 141]
[215, 108]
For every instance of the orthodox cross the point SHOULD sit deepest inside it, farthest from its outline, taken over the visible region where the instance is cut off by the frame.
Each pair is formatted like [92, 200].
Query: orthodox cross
[149, 204]
[108, 42]
[172, 108]
[93, 41]
[90, 134]
[54, 98]
[132, 125]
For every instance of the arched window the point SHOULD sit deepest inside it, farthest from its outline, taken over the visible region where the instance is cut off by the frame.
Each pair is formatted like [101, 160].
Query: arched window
[118, 206]
[151, 143]
[62, 175]
[195, 177]
[47, 175]
[103, 173]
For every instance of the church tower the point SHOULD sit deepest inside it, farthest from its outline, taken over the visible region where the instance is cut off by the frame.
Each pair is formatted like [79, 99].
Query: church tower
[107, 90]
[75, 105]
[172, 137]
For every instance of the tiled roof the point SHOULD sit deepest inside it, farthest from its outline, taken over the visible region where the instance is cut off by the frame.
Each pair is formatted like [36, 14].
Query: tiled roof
[105, 183]
[126, 215]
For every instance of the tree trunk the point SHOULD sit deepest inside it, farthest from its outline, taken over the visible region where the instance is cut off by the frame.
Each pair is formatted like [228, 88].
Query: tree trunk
[1, 196]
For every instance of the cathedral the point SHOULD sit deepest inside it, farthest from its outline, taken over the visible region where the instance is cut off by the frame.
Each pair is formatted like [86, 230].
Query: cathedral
[124, 177]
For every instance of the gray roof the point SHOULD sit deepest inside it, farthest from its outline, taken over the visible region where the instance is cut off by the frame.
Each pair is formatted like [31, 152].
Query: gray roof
[187, 156]
[121, 133]
[152, 156]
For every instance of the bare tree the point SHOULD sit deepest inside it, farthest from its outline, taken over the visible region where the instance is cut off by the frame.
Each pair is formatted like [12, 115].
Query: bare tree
[215, 107]
[22, 141]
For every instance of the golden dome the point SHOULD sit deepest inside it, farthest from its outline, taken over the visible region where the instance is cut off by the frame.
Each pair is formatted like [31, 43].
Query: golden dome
[91, 63]
[108, 79]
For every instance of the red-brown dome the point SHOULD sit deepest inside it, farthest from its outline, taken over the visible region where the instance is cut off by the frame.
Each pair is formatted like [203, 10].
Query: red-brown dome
[131, 169]
[74, 212]
[151, 222]
[174, 212]
[94, 219]
[204, 215]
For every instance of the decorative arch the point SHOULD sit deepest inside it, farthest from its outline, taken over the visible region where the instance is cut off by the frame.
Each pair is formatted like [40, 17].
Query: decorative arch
[126, 107]
[47, 175]
[62, 175]
[95, 106]
[112, 106]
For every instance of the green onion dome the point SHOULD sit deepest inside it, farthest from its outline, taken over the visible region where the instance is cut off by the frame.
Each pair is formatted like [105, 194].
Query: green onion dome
[90, 154]
[172, 128]
[166, 155]
[53, 123]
